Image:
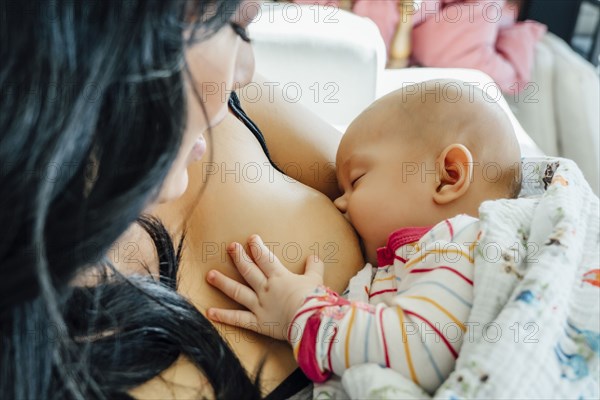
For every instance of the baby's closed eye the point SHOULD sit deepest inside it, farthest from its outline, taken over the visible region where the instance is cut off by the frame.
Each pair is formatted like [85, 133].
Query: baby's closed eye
[355, 180]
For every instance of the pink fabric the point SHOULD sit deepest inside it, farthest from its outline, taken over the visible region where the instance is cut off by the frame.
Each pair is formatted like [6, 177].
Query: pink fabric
[479, 34]
[385, 15]
[306, 353]
[399, 238]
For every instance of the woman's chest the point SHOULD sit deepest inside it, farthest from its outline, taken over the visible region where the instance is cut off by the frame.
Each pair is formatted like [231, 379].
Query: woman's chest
[234, 193]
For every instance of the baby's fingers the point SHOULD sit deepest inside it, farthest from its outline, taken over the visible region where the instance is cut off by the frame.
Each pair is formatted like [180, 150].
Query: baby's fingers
[243, 319]
[246, 267]
[263, 257]
[238, 292]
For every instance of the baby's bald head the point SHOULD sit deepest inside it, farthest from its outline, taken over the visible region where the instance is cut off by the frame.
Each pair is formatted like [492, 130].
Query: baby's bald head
[432, 115]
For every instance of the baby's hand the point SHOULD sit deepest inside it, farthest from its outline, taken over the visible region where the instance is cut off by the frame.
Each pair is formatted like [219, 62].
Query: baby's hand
[274, 295]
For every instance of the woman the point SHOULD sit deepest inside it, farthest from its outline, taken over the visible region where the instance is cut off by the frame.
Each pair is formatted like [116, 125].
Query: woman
[102, 111]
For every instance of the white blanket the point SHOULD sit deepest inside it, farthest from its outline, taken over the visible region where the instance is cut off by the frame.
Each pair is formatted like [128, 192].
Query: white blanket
[534, 327]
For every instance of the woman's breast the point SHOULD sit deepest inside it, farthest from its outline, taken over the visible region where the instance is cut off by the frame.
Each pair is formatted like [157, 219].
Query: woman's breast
[236, 193]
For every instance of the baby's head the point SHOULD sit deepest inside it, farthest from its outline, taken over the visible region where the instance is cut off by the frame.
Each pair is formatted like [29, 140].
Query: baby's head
[423, 154]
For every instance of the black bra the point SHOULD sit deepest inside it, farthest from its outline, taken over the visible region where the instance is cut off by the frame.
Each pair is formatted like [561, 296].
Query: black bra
[292, 385]
[236, 109]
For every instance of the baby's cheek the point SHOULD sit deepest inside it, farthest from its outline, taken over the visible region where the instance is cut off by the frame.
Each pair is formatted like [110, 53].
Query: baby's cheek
[369, 214]
[372, 226]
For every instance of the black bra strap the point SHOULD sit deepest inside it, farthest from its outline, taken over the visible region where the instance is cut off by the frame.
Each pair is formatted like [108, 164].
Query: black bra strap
[293, 384]
[236, 109]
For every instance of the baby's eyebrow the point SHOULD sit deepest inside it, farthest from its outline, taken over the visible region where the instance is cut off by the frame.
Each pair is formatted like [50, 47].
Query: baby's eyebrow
[339, 168]
[350, 160]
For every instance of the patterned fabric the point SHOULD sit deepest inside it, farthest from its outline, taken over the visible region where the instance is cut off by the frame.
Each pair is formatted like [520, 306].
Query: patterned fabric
[534, 329]
[408, 314]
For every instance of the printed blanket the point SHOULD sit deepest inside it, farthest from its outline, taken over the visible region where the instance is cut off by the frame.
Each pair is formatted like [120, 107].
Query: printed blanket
[534, 329]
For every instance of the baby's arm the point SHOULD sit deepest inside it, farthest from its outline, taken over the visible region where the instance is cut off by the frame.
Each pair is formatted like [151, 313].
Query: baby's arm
[419, 326]
[417, 332]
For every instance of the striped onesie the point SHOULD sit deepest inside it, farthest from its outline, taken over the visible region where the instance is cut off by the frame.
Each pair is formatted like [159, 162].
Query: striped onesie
[411, 311]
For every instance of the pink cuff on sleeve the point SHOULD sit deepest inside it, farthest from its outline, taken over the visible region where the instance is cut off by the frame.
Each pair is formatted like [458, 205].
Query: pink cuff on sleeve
[307, 351]
[308, 321]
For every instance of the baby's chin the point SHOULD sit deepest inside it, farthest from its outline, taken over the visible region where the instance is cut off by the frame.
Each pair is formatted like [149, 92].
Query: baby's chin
[369, 253]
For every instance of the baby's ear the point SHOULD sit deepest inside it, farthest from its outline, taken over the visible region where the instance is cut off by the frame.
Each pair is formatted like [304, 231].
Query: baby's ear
[455, 171]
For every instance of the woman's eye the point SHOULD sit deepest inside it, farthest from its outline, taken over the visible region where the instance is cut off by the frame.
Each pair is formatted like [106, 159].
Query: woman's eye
[240, 31]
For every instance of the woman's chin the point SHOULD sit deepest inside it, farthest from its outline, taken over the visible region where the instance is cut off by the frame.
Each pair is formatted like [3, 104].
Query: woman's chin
[174, 187]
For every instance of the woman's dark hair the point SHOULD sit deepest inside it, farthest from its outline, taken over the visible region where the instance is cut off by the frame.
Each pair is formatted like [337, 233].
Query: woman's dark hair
[92, 113]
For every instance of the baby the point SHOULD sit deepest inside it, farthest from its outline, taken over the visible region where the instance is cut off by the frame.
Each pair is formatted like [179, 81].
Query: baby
[414, 168]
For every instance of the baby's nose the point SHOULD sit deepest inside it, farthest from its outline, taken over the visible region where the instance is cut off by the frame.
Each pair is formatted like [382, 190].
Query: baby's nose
[340, 204]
